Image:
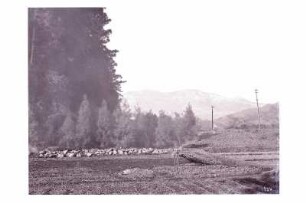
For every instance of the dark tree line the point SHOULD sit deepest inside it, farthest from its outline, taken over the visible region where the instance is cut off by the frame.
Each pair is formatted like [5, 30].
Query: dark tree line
[74, 90]
[71, 71]
[122, 128]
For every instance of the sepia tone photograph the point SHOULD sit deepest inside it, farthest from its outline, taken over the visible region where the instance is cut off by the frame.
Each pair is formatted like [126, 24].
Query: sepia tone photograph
[150, 99]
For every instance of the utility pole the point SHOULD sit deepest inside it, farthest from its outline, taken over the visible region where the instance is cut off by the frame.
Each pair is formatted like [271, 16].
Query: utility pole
[32, 42]
[212, 117]
[32, 46]
[258, 113]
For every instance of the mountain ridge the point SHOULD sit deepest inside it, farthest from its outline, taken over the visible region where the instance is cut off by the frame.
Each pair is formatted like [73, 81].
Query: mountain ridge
[176, 101]
[269, 116]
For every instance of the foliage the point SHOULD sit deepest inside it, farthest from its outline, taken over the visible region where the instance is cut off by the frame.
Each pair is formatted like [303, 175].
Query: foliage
[68, 132]
[189, 123]
[74, 90]
[123, 136]
[165, 132]
[33, 129]
[83, 128]
[145, 129]
[69, 58]
[105, 126]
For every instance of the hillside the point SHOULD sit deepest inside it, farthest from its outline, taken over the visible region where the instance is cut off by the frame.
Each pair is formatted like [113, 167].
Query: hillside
[237, 140]
[248, 118]
[177, 101]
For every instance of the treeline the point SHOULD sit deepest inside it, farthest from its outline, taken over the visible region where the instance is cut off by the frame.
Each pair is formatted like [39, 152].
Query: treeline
[74, 90]
[123, 128]
[68, 58]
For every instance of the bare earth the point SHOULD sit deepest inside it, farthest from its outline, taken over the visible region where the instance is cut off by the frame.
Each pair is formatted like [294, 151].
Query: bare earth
[102, 175]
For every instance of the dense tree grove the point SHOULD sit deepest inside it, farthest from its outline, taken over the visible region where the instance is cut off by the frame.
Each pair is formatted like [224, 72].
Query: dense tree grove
[124, 128]
[71, 71]
[74, 90]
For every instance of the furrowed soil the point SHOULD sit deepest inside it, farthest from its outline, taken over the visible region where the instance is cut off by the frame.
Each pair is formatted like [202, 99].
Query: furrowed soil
[102, 175]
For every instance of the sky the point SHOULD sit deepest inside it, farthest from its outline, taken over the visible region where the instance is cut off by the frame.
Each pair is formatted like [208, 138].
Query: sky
[228, 48]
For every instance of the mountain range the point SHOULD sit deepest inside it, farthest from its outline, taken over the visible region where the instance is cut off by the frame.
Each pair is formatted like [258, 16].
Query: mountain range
[177, 101]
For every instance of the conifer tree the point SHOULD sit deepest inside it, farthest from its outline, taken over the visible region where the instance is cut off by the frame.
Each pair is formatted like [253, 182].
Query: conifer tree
[69, 58]
[123, 136]
[165, 136]
[105, 126]
[83, 127]
[67, 131]
[189, 123]
[33, 129]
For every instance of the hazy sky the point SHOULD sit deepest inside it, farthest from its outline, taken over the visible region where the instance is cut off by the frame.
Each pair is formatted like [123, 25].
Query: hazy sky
[226, 48]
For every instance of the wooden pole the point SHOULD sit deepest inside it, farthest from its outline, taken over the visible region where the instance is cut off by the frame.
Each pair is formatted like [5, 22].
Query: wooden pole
[32, 47]
[32, 41]
[258, 112]
[212, 117]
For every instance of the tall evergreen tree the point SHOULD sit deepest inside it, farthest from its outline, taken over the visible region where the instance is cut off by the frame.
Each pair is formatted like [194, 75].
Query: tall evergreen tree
[68, 132]
[149, 128]
[189, 123]
[83, 126]
[165, 132]
[179, 132]
[105, 126]
[68, 58]
[33, 129]
[143, 128]
[123, 136]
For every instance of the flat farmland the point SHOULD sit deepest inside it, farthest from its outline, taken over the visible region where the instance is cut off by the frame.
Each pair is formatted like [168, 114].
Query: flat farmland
[103, 175]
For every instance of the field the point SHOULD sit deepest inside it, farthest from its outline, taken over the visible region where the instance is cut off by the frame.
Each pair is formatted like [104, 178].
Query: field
[250, 171]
